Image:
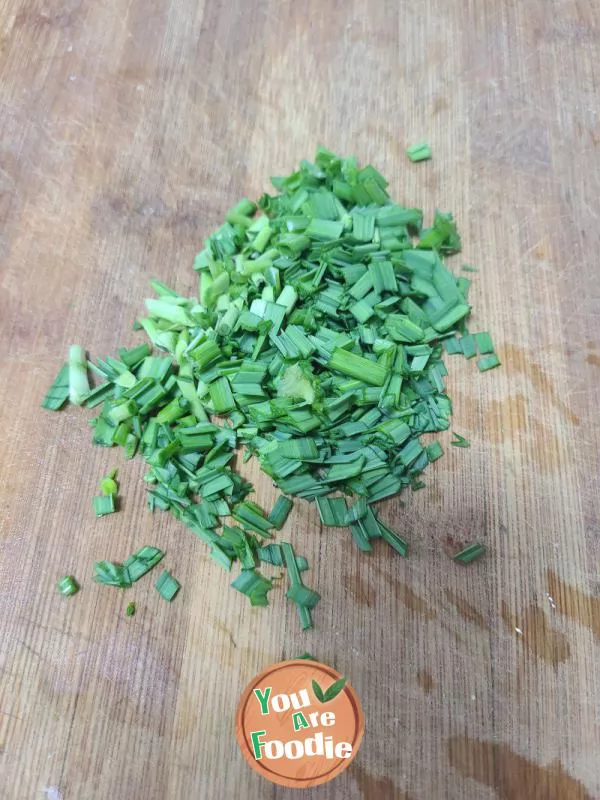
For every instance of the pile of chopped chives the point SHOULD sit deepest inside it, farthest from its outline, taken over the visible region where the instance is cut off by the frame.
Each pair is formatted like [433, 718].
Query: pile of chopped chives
[318, 336]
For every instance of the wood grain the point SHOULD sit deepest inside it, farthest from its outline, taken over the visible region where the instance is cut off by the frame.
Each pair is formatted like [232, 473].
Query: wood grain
[126, 130]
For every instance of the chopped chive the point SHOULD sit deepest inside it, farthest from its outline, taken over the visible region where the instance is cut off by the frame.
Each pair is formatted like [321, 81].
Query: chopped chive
[254, 585]
[130, 611]
[79, 386]
[488, 362]
[460, 441]
[142, 561]
[470, 553]
[167, 586]
[318, 334]
[58, 394]
[484, 342]
[468, 268]
[104, 504]
[394, 540]
[434, 451]
[108, 484]
[110, 573]
[357, 367]
[306, 599]
[468, 346]
[419, 152]
[67, 586]
[280, 511]
[332, 511]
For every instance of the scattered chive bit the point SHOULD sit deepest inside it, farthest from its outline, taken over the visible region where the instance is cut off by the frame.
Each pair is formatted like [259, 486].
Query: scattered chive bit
[58, 394]
[167, 586]
[488, 362]
[459, 441]
[468, 268]
[110, 573]
[142, 561]
[318, 337]
[67, 586]
[470, 553]
[419, 152]
[484, 342]
[104, 504]
[108, 484]
[134, 567]
[130, 610]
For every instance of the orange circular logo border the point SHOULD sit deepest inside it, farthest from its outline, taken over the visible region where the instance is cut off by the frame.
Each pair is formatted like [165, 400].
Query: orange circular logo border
[259, 766]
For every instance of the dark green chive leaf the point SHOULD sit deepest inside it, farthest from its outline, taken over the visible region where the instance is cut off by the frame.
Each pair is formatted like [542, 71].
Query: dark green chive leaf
[470, 553]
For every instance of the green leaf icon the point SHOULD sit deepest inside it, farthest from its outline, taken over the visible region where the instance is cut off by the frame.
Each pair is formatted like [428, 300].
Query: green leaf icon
[334, 689]
[318, 692]
[329, 694]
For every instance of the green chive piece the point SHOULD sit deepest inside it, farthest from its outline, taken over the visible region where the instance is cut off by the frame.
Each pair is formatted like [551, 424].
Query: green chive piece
[280, 511]
[254, 585]
[58, 394]
[104, 504]
[142, 561]
[108, 484]
[484, 342]
[419, 152]
[167, 586]
[434, 451]
[470, 553]
[468, 268]
[393, 539]
[459, 441]
[332, 511]
[305, 599]
[130, 611]
[110, 573]
[488, 362]
[468, 346]
[357, 367]
[67, 586]
[79, 385]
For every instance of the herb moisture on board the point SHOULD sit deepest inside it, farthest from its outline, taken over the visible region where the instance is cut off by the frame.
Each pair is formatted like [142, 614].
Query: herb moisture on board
[318, 337]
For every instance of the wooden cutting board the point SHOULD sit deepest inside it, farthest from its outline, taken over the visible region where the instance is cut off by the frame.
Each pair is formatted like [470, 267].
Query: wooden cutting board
[126, 131]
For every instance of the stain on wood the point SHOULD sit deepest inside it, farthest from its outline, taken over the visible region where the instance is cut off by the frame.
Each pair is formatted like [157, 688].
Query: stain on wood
[517, 359]
[465, 609]
[425, 681]
[511, 775]
[412, 600]
[359, 589]
[532, 628]
[373, 787]
[574, 603]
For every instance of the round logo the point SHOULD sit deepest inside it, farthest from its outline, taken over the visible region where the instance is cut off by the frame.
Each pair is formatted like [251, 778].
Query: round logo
[299, 723]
